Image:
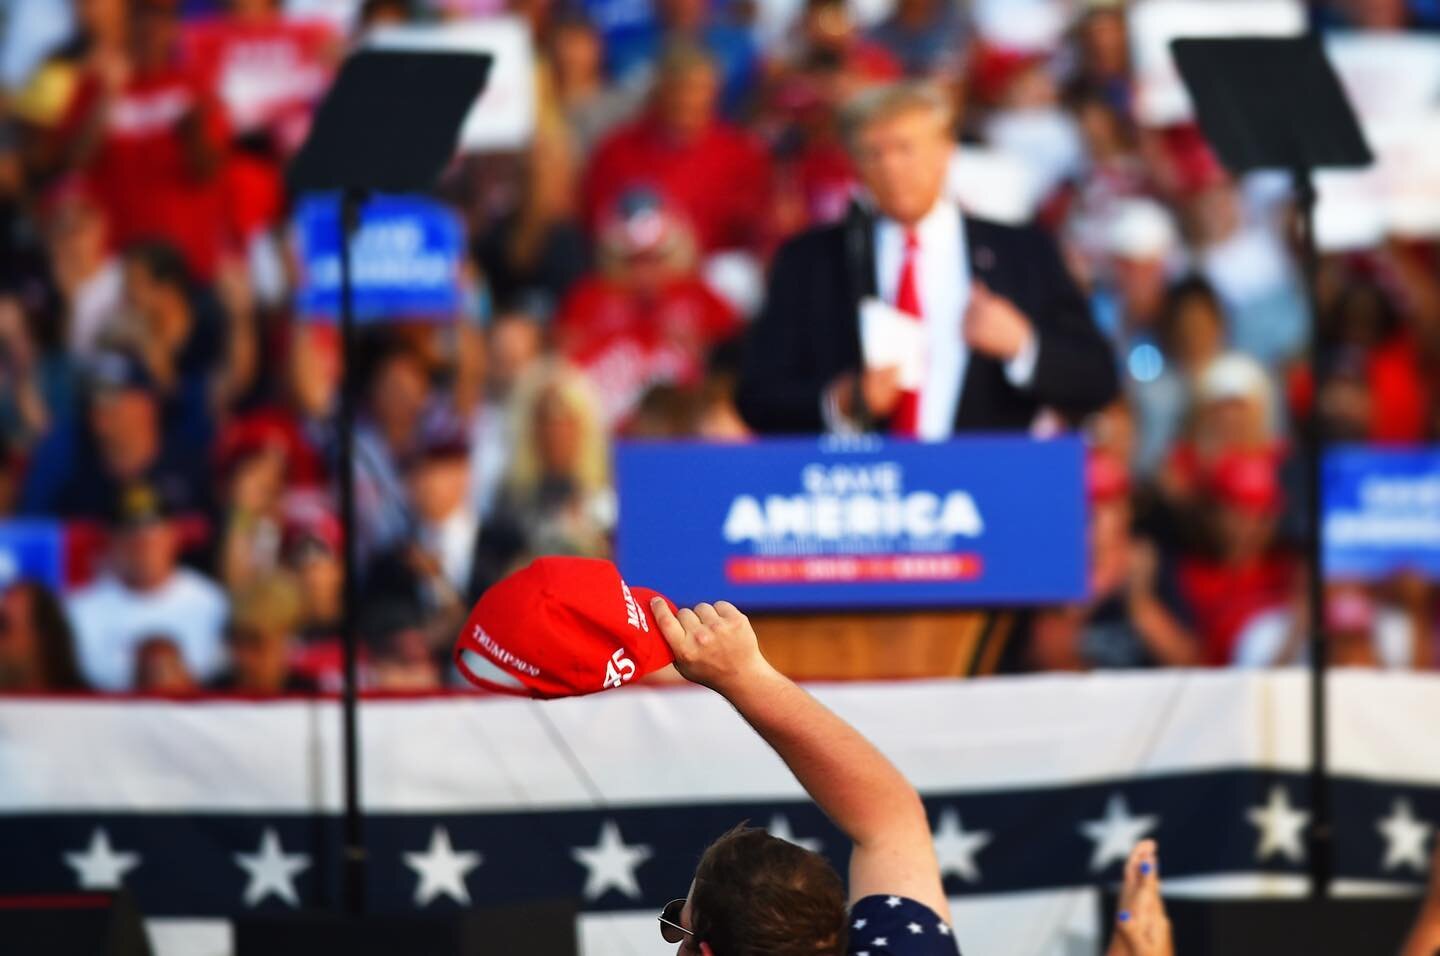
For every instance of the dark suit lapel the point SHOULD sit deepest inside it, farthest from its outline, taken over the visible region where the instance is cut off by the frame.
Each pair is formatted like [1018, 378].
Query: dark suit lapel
[980, 370]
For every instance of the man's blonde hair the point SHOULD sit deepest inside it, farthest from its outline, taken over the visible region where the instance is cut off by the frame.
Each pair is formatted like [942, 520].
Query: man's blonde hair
[890, 100]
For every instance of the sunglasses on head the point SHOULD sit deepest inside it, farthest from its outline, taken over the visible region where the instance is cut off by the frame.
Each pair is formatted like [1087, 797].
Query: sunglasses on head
[670, 927]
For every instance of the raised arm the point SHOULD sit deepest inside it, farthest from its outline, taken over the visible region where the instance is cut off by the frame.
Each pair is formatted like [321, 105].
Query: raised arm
[1424, 938]
[850, 780]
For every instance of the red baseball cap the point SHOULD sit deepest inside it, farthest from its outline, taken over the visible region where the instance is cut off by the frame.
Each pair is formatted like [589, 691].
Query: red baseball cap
[561, 627]
[1106, 477]
[1248, 481]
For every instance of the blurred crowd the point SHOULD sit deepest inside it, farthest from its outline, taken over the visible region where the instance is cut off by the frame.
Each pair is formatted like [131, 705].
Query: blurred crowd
[162, 396]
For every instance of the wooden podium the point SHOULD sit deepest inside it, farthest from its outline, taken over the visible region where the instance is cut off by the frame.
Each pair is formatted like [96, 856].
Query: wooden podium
[884, 644]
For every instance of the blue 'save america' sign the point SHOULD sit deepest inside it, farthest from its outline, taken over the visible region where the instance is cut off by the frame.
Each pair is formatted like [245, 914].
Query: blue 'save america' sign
[406, 258]
[855, 522]
[1382, 511]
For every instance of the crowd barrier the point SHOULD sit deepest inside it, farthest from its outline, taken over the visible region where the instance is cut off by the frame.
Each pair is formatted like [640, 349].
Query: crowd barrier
[1035, 786]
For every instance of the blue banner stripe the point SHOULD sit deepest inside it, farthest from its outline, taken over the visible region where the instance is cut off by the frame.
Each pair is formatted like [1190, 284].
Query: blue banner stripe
[1033, 839]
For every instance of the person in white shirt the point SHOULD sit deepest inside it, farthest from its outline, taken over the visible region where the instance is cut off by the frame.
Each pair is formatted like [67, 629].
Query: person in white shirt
[433, 570]
[146, 593]
[90, 278]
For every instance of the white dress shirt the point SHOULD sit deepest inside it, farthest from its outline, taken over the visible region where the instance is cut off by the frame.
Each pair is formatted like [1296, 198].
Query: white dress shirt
[943, 274]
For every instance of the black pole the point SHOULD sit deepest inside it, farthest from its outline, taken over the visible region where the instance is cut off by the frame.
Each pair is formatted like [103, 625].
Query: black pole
[1321, 834]
[353, 875]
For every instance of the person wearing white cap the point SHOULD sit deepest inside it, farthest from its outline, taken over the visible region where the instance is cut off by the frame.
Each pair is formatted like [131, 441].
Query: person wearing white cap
[1140, 245]
[1234, 410]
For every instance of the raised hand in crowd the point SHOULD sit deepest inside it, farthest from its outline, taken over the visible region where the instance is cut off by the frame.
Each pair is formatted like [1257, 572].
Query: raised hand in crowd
[1424, 938]
[849, 779]
[18, 371]
[1141, 926]
[236, 373]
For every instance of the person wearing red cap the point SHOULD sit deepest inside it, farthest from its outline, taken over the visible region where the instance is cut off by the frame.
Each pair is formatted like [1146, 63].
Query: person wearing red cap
[1248, 572]
[1131, 617]
[645, 318]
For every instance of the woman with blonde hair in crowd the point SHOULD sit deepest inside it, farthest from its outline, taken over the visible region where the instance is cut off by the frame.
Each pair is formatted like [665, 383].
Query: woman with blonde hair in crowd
[558, 498]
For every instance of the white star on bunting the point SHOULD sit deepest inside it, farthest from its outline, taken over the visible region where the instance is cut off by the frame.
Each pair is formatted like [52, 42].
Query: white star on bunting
[879, 941]
[1405, 837]
[442, 869]
[611, 863]
[956, 849]
[892, 901]
[779, 828]
[1116, 834]
[860, 923]
[271, 870]
[99, 866]
[915, 929]
[1281, 827]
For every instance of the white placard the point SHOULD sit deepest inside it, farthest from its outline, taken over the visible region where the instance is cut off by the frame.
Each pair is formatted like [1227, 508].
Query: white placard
[1161, 98]
[1387, 74]
[1025, 25]
[1398, 196]
[504, 115]
[893, 339]
[993, 184]
[343, 14]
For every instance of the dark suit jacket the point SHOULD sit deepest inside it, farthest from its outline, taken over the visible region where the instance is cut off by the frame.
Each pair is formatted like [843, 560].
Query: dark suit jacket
[808, 332]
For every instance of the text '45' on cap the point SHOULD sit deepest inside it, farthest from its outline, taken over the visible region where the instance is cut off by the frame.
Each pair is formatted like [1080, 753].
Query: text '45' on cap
[561, 627]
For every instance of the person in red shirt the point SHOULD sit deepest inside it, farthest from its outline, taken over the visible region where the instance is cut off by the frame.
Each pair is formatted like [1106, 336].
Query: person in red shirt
[268, 71]
[717, 175]
[1379, 381]
[151, 143]
[645, 318]
[808, 89]
[1248, 572]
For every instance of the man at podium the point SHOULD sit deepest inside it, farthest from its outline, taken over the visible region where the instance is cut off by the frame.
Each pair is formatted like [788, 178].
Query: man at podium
[911, 318]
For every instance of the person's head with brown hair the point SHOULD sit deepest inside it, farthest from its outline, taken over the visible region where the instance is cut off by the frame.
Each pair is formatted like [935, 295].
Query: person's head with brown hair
[687, 90]
[757, 895]
[899, 136]
[37, 646]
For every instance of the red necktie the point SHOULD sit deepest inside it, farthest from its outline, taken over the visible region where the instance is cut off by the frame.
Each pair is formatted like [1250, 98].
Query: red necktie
[906, 418]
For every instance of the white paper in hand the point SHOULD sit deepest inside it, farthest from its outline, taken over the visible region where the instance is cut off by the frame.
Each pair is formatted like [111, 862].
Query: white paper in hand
[893, 339]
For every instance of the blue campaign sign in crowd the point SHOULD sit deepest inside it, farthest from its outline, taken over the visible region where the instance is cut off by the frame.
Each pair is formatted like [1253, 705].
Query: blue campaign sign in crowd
[406, 262]
[32, 550]
[1382, 512]
[866, 522]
